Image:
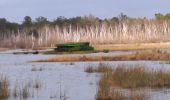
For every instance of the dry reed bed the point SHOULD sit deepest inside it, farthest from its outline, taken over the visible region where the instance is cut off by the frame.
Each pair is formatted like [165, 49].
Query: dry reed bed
[3, 49]
[4, 89]
[155, 55]
[141, 31]
[134, 78]
[134, 46]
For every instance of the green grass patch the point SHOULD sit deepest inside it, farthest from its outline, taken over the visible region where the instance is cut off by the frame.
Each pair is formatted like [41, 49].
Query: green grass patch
[70, 47]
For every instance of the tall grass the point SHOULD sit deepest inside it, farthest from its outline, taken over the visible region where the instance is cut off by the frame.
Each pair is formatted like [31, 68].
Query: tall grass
[101, 68]
[139, 78]
[121, 95]
[141, 30]
[133, 78]
[4, 88]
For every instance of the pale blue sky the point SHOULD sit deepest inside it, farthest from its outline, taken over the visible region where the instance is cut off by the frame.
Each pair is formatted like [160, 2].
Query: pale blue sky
[15, 10]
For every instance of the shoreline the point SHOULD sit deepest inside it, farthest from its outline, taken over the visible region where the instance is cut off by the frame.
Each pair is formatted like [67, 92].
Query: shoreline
[150, 55]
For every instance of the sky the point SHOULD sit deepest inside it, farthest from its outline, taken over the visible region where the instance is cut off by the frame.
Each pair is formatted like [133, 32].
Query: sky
[15, 10]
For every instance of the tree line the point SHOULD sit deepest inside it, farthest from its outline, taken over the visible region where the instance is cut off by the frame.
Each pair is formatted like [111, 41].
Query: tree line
[29, 23]
[121, 29]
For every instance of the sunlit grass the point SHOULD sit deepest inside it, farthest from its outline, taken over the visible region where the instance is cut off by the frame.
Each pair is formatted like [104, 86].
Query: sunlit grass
[131, 77]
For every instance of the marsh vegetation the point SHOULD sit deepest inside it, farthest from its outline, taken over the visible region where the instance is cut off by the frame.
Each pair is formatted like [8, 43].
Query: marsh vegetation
[150, 55]
[128, 82]
[4, 88]
[120, 80]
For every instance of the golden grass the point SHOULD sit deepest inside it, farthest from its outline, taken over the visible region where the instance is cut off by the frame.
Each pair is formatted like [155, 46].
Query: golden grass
[127, 76]
[155, 55]
[134, 46]
[4, 88]
[3, 49]
[133, 78]
[119, 95]
[115, 95]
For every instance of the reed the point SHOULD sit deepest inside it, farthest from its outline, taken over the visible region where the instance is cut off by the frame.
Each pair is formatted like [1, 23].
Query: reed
[101, 68]
[136, 77]
[131, 77]
[4, 88]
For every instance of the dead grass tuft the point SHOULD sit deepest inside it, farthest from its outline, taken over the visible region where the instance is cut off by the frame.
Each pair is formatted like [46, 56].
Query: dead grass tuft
[4, 88]
[101, 68]
[129, 77]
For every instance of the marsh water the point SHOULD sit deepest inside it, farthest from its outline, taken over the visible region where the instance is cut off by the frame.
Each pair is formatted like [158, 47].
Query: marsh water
[63, 80]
